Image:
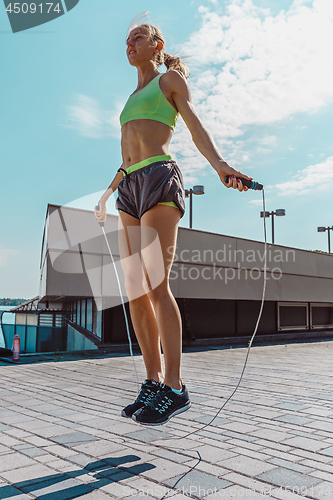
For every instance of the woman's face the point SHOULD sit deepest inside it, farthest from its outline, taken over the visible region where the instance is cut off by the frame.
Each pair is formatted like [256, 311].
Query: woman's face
[139, 48]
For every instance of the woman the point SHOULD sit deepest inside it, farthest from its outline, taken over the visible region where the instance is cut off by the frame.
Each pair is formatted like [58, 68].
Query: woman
[151, 197]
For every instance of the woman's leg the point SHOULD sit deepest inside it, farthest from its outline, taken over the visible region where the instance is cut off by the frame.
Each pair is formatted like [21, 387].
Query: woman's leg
[164, 220]
[142, 313]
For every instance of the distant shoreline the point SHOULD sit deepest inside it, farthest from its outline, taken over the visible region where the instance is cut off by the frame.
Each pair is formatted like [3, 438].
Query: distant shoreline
[12, 302]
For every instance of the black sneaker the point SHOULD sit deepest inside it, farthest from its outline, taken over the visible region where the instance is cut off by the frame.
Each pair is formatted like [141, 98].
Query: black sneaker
[165, 405]
[149, 388]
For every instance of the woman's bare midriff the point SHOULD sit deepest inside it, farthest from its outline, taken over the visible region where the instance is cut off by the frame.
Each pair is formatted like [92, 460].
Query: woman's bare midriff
[141, 139]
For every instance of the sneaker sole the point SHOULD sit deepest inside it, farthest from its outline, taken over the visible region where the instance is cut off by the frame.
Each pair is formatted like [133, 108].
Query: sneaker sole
[123, 414]
[176, 412]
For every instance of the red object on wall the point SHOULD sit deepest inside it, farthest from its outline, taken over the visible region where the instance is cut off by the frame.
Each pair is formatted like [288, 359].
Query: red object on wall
[16, 348]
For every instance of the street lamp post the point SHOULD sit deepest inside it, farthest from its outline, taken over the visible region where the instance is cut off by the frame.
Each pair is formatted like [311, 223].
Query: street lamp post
[328, 229]
[280, 212]
[188, 194]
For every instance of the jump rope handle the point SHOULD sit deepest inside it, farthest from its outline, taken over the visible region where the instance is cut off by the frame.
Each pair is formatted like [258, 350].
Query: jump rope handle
[100, 223]
[250, 184]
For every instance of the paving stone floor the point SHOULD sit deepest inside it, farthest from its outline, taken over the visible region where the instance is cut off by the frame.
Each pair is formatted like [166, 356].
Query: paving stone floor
[62, 436]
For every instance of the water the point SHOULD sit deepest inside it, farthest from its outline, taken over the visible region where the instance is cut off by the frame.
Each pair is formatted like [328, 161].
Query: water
[8, 319]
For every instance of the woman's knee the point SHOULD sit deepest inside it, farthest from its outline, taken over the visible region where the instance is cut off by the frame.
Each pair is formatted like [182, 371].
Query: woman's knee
[161, 292]
[134, 284]
[156, 275]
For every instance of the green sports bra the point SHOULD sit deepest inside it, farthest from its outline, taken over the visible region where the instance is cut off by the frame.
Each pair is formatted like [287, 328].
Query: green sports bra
[151, 104]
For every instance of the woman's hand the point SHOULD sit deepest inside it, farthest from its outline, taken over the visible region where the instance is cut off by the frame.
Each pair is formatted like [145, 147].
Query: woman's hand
[101, 213]
[233, 174]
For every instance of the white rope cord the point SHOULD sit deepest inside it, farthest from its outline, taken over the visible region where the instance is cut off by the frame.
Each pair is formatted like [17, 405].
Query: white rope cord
[250, 343]
[123, 304]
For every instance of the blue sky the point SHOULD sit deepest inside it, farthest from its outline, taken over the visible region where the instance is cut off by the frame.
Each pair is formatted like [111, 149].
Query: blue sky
[261, 80]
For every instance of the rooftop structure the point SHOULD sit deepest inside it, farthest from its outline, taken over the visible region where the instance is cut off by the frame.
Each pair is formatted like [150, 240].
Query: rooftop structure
[216, 279]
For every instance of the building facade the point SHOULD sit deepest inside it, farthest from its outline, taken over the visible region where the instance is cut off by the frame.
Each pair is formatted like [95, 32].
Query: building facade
[216, 279]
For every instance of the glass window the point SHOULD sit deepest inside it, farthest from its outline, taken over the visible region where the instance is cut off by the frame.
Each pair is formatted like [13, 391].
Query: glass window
[32, 319]
[89, 315]
[74, 312]
[99, 320]
[20, 319]
[83, 313]
[78, 312]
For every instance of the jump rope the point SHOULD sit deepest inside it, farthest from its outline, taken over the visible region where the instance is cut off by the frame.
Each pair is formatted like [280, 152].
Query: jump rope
[251, 185]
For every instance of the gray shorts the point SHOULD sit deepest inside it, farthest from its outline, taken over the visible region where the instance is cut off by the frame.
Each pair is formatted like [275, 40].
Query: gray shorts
[160, 182]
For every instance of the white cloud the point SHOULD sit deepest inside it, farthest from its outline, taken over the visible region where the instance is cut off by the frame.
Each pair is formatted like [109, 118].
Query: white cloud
[251, 68]
[88, 118]
[314, 178]
[248, 68]
[256, 202]
[5, 253]
[268, 140]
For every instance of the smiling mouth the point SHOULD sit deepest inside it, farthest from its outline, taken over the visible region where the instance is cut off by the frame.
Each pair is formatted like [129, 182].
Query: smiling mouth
[131, 52]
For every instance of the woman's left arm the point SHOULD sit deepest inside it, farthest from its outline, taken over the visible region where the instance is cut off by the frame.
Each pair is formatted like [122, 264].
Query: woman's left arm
[203, 140]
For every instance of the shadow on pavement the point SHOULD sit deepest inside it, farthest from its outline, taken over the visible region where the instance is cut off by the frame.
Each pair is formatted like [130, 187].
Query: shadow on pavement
[65, 486]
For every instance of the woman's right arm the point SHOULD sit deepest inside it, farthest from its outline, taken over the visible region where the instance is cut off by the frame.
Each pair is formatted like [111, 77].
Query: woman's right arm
[102, 212]
[201, 137]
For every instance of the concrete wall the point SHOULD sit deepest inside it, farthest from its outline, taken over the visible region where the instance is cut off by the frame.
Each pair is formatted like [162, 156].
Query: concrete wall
[232, 268]
[207, 265]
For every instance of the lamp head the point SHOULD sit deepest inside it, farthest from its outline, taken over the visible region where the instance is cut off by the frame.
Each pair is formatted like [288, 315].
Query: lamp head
[321, 229]
[280, 211]
[266, 214]
[187, 193]
[198, 190]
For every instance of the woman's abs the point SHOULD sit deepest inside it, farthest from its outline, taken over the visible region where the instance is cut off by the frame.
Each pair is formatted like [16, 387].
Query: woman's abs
[143, 139]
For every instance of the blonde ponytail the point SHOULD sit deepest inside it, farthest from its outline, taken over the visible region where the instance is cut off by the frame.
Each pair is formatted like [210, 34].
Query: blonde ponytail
[174, 62]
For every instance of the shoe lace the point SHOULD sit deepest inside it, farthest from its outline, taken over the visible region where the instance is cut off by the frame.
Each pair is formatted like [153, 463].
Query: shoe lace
[158, 401]
[146, 394]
